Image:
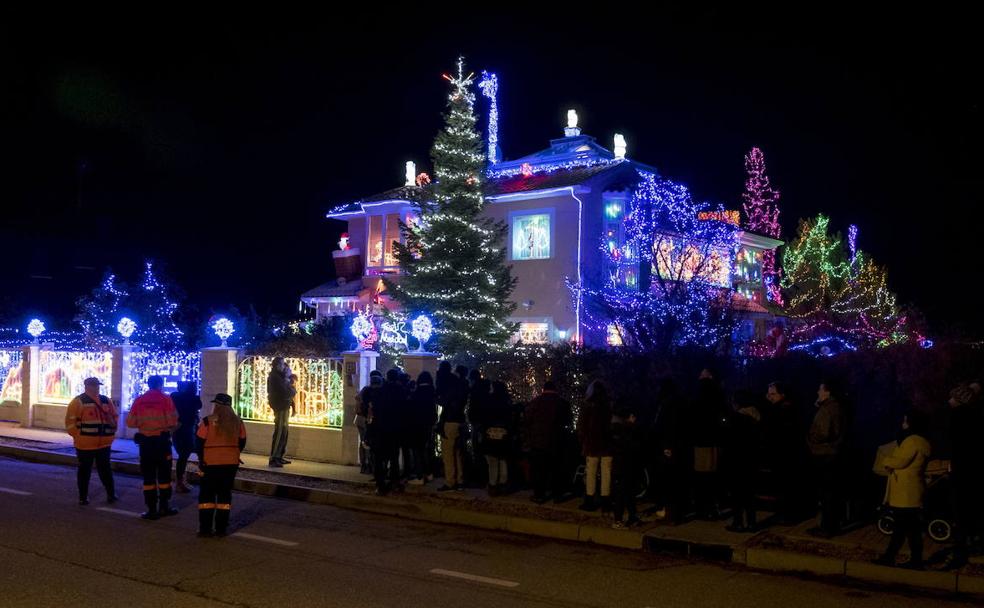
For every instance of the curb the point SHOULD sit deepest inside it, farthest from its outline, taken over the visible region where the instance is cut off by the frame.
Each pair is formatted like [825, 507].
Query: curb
[775, 560]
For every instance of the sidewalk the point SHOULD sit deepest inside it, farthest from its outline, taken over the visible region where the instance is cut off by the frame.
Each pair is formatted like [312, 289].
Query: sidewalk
[778, 548]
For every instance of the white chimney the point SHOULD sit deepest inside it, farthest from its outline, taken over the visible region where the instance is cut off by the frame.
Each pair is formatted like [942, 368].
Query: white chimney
[571, 130]
[411, 173]
[619, 146]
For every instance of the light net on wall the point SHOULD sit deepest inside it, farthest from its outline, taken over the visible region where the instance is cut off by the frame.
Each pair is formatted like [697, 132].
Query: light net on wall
[174, 366]
[319, 391]
[10, 376]
[63, 372]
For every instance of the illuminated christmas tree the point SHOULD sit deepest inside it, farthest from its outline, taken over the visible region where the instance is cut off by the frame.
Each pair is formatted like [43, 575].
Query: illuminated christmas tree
[453, 260]
[668, 284]
[834, 293]
[99, 312]
[762, 217]
[154, 308]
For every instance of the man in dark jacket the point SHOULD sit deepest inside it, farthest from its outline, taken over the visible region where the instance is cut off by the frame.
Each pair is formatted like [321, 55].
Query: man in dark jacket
[673, 452]
[547, 423]
[366, 396]
[707, 416]
[384, 421]
[627, 454]
[966, 469]
[785, 451]
[188, 404]
[826, 440]
[280, 396]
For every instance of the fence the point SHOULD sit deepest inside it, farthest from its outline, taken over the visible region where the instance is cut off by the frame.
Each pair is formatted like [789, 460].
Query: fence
[319, 390]
[173, 366]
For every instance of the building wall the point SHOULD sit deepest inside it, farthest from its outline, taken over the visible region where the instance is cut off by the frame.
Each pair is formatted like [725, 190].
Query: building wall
[541, 292]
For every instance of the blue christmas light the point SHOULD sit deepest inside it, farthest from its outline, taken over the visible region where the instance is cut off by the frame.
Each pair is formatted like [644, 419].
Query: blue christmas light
[223, 328]
[535, 169]
[35, 328]
[421, 329]
[126, 327]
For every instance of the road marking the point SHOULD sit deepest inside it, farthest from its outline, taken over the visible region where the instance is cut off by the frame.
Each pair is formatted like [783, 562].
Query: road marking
[118, 511]
[17, 492]
[475, 578]
[265, 539]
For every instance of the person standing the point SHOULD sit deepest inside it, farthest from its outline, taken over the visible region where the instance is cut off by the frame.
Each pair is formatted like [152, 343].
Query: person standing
[707, 417]
[546, 422]
[452, 392]
[220, 440]
[966, 427]
[385, 415]
[154, 416]
[906, 488]
[364, 401]
[594, 430]
[188, 404]
[91, 420]
[280, 396]
[626, 466]
[785, 451]
[826, 440]
[742, 460]
[673, 452]
[422, 415]
[496, 436]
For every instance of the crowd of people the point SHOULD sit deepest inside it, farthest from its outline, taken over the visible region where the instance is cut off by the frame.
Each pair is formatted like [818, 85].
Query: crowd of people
[707, 454]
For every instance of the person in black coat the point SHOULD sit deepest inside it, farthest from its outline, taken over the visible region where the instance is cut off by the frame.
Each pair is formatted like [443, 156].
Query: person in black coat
[385, 416]
[966, 469]
[496, 428]
[785, 453]
[742, 460]
[707, 417]
[419, 429]
[673, 450]
[627, 459]
[452, 395]
[188, 404]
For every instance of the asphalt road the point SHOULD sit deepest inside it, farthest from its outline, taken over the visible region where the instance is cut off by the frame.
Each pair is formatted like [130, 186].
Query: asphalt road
[286, 554]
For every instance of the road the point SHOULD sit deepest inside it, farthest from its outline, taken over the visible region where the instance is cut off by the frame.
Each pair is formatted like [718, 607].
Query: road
[287, 554]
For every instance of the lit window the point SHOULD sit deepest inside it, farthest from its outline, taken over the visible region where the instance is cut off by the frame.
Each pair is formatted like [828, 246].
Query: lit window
[375, 253]
[533, 333]
[531, 237]
[614, 337]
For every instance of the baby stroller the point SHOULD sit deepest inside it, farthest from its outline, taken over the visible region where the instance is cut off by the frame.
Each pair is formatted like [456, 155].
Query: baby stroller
[937, 510]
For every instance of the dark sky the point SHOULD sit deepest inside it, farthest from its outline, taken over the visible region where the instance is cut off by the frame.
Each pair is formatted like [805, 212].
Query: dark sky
[217, 147]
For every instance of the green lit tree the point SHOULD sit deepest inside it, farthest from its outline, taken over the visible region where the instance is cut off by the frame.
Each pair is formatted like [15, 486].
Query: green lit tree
[452, 259]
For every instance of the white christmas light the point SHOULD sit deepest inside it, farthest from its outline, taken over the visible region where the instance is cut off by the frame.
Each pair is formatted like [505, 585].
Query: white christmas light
[362, 329]
[422, 329]
[411, 174]
[126, 327]
[619, 145]
[223, 328]
[35, 328]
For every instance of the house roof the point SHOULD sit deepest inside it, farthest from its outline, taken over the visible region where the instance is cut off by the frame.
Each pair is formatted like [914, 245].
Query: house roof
[334, 289]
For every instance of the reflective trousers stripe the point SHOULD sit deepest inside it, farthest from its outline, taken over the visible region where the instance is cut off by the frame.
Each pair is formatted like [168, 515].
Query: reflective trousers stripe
[206, 505]
[221, 506]
[163, 486]
[152, 486]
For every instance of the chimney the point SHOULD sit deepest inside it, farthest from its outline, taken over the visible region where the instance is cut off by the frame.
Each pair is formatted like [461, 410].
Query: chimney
[411, 174]
[572, 130]
[619, 146]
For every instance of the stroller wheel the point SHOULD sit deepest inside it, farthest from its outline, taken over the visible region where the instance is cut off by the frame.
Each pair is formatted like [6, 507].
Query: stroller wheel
[939, 530]
[886, 525]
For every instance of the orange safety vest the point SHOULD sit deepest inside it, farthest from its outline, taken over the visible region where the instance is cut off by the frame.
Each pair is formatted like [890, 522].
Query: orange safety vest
[92, 425]
[152, 413]
[219, 450]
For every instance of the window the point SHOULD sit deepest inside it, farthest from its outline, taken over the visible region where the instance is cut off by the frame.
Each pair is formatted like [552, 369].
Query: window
[534, 333]
[613, 335]
[384, 230]
[531, 237]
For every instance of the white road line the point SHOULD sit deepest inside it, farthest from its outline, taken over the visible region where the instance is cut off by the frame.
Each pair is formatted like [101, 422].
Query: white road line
[17, 492]
[265, 539]
[118, 511]
[475, 578]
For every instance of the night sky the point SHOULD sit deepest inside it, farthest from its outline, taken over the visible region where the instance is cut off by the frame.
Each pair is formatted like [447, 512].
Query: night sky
[216, 148]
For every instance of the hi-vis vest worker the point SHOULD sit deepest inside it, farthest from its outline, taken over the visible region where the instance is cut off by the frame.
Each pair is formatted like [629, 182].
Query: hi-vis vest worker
[220, 439]
[91, 421]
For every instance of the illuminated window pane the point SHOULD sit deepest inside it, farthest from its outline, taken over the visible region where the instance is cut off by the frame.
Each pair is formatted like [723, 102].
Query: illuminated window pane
[614, 337]
[531, 237]
[533, 333]
[375, 253]
[392, 236]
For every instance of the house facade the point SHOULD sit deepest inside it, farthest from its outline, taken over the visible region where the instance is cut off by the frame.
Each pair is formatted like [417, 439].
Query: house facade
[561, 206]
